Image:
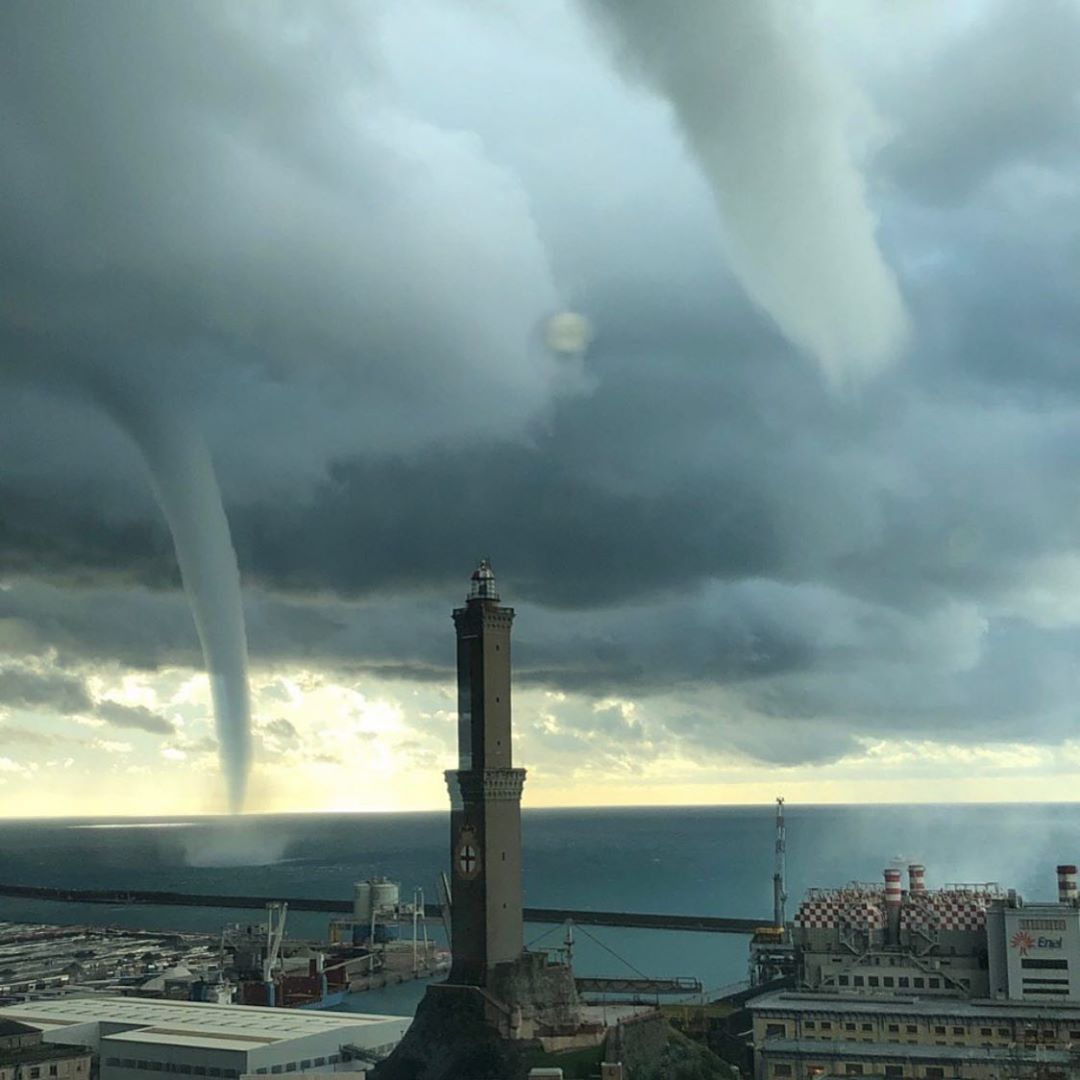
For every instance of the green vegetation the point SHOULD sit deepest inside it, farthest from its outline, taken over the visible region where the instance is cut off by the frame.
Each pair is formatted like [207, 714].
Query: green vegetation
[575, 1064]
[683, 1059]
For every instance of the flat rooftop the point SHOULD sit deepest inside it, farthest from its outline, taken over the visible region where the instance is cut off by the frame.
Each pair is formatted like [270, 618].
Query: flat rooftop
[910, 1005]
[150, 1020]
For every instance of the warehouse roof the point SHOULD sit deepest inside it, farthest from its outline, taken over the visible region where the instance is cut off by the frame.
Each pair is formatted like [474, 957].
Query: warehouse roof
[172, 1021]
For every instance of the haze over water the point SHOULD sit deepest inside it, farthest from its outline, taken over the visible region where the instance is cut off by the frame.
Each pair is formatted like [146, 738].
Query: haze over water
[700, 860]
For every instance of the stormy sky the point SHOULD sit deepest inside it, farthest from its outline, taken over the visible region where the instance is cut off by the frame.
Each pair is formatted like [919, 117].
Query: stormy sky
[804, 517]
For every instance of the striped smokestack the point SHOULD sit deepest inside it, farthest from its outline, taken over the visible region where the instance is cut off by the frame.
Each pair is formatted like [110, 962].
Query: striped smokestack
[892, 906]
[1066, 884]
[916, 876]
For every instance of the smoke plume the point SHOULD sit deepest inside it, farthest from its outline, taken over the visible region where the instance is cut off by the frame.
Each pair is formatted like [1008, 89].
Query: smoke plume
[183, 479]
[765, 117]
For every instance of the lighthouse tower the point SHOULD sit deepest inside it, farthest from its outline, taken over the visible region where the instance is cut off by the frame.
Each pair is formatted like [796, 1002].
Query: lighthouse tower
[485, 793]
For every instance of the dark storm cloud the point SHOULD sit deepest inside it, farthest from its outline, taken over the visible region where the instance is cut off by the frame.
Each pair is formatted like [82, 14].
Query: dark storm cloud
[344, 292]
[24, 688]
[221, 206]
[138, 717]
[1002, 93]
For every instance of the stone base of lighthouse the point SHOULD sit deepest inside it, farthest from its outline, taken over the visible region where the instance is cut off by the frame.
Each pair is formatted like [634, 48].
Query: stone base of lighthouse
[528, 1007]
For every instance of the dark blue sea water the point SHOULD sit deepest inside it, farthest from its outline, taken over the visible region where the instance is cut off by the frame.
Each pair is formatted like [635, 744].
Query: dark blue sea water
[701, 860]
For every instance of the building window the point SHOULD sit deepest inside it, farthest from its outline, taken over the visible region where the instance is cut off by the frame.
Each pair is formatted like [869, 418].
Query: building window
[1003, 1032]
[275, 1069]
[903, 981]
[935, 984]
[772, 1031]
[1048, 1034]
[911, 1029]
[112, 1061]
[894, 1070]
[320, 1061]
[939, 1031]
[35, 1073]
[305, 1064]
[1045, 965]
[213, 1072]
[920, 982]
[868, 1027]
[986, 1031]
[888, 980]
[809, 1024]
[781, 1069]
[52, 1070]
[333, 1059]
[872, 980]
[291, 1067]
[826, 1025]
[853, 1069]
[842, 980]
[935, 1072]
[958, 1030]
[849, 1027]
[895, 1028]
[858, 980]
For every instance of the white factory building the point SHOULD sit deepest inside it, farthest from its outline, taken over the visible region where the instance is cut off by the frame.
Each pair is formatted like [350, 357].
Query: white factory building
[134, 1038]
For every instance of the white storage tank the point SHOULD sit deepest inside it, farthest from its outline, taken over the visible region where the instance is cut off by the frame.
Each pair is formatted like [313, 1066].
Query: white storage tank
[362, 901]
[384, 894]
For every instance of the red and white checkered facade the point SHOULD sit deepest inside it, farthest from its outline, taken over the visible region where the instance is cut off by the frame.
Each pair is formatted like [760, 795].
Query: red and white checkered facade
[853, 908]
[945, 909]
[863, 908]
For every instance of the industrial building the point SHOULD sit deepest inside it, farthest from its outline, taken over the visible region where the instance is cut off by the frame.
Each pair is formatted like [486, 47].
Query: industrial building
[965, 982]
[1034, 949]
[801, 1035]
[24, 1055]
[134, 1038]
[874, 938]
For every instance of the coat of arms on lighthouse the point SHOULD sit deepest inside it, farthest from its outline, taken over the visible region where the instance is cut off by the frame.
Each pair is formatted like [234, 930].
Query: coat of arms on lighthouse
[468, 854]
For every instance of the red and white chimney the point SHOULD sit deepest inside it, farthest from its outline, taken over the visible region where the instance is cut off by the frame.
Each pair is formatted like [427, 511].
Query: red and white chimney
[893, 897]
[916, 878]
[1066, 884]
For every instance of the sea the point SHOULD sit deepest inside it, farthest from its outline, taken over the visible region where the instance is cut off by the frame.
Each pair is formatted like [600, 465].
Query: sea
[679, 860]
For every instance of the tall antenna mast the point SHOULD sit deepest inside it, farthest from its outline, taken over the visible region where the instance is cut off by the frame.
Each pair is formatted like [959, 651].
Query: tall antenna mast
[779, 895]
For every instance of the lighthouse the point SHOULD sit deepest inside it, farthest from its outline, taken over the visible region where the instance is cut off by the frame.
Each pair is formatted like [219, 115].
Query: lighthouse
[485, 793]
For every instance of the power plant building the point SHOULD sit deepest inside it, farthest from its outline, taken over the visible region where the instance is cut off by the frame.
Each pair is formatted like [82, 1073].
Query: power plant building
[965, 981]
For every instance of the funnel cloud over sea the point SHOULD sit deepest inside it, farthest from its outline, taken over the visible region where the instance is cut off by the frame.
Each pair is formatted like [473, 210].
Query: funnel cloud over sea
[740, 335]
